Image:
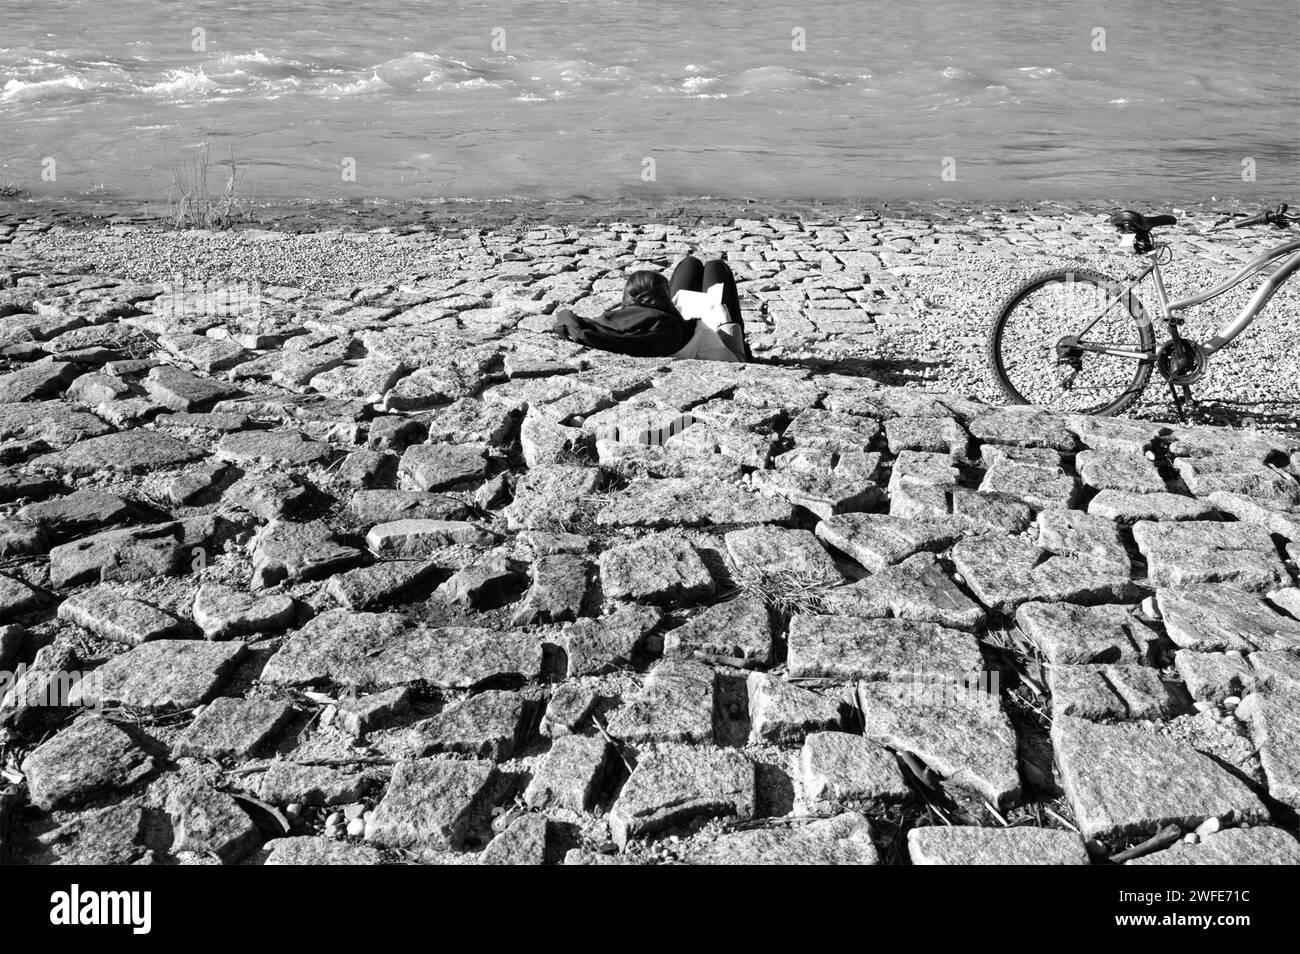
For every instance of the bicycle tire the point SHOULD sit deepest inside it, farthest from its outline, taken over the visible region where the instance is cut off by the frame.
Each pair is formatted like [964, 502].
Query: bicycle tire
[1137, 313]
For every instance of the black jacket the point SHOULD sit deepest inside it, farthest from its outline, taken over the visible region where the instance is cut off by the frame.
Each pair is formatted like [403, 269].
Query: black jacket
[635, 330]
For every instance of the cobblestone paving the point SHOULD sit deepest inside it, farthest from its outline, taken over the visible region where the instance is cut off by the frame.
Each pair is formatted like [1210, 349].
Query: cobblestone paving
[385, 573]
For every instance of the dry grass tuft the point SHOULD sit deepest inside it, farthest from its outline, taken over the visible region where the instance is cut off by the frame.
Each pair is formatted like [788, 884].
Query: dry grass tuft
[191, 202]
[789, 594]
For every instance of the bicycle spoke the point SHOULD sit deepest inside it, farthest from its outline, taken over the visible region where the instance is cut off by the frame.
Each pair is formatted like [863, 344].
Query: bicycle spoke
[1047, 367]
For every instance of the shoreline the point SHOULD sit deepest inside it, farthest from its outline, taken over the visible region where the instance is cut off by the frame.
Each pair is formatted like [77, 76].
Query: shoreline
[311, 215]
[925, 278]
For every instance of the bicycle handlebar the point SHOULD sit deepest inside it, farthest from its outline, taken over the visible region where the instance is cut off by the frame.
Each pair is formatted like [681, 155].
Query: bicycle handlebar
[1278, 217]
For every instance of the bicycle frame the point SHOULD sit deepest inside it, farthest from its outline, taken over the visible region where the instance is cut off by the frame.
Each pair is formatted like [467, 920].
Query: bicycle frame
[1252, 308]
[1168, 308]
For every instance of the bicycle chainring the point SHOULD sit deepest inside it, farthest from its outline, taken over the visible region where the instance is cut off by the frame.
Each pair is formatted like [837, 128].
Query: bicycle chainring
[1181, 362]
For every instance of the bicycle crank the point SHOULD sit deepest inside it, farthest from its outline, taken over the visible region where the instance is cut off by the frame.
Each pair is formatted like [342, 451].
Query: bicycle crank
[1181, 362]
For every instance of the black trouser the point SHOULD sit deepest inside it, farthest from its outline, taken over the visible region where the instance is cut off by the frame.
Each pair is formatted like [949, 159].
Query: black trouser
[693, 275]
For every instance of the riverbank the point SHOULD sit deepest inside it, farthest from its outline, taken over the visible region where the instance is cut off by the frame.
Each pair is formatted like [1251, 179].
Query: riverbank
[311, 552]
[925, 283]
[306, 215]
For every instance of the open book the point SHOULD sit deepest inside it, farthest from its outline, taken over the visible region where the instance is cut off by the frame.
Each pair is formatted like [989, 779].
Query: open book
[707, 306]
[710, 341]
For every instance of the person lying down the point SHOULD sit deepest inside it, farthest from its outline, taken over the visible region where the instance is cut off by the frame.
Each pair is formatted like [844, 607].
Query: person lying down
[695, 315]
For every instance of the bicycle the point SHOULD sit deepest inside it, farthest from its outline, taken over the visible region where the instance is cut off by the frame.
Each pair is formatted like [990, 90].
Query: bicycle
[1105, 360]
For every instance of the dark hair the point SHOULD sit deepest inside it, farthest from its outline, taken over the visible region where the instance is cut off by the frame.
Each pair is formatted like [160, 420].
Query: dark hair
[649, 289]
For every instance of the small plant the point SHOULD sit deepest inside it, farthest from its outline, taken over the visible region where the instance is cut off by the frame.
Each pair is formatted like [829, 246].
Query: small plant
[10, 190]
[193, 204]
[789, 594]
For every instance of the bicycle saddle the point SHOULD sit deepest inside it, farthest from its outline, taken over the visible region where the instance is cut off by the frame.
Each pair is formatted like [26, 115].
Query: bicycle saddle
[1129, 221]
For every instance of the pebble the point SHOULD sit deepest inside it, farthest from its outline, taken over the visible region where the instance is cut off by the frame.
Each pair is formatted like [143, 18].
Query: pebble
[502, 817]
[357, 827]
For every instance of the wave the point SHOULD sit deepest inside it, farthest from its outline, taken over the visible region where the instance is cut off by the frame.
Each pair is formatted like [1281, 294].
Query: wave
[261, 65]
[78, 76]
[416, 69]
[701, 86]
[20, 91]
[781, 78]
[182, 83]
[359, 87]
[267, 73]
[257, 57]
[409, 72]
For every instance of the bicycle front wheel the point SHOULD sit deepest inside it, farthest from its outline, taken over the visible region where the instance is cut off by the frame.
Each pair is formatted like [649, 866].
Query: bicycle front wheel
[1072, 340]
